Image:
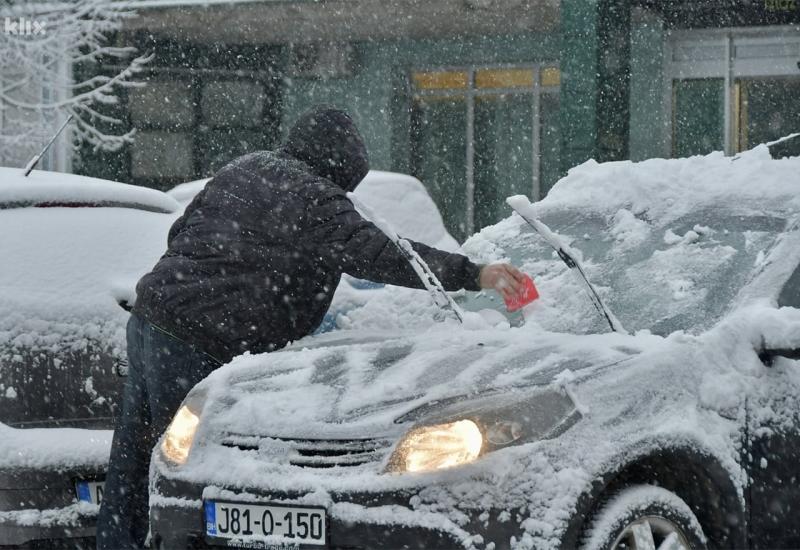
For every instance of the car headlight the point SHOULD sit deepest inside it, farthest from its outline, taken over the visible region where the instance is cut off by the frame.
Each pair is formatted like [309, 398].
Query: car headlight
[439, 446]
[179, 437]
[459, 430]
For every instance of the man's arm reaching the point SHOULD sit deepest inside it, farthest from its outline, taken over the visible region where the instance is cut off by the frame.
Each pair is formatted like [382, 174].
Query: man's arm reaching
[356, 246]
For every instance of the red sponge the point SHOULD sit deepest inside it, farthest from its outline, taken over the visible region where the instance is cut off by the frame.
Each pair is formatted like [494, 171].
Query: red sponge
[528, 295]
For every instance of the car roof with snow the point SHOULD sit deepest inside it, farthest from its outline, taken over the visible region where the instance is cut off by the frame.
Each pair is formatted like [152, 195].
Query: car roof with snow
[43, 188]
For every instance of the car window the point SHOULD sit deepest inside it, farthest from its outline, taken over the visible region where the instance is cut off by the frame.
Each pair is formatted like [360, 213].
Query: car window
[680, 275]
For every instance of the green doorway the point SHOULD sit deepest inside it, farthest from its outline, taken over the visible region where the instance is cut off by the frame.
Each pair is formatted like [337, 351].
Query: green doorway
[480, 135]
[766, 109]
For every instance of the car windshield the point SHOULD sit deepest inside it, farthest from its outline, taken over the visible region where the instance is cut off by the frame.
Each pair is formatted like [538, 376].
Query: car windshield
[681, 275]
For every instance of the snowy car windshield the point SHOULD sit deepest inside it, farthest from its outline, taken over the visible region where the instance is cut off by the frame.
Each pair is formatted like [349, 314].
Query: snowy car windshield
[681, 275]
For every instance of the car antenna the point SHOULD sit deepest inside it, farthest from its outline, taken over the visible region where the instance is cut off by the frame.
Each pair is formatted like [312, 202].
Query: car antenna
[524, 208]
[428, 278]
[35, 160]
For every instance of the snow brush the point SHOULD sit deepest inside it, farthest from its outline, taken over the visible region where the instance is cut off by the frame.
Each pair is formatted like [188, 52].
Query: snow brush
[423, 271]
[524, 208]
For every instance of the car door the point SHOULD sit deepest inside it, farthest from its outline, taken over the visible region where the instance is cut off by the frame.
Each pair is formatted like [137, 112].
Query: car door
[773, 455]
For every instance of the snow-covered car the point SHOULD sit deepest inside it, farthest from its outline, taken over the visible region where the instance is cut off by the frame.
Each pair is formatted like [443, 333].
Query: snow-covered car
[400, 200]
[538, 429]
[72, 249]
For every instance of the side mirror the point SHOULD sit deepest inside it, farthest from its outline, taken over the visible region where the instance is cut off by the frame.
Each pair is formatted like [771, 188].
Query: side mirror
[768, 355]
[773, 332]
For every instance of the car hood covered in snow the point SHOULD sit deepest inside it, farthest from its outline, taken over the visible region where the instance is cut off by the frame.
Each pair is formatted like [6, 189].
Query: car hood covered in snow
[343, 385]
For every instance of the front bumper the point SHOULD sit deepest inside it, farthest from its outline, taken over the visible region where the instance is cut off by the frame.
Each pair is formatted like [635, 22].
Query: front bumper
[177, 521]
[39, 509]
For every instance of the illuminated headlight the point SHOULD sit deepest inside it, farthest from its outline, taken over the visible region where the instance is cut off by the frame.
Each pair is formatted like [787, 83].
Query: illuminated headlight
[436, 447]
[460, 430]
[179, 437]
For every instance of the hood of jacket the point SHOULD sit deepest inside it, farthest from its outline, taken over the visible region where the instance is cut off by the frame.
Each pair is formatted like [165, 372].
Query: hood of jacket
[328, 141]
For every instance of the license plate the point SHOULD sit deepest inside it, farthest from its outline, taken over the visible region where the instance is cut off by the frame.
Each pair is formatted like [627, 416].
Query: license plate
[90, 491]
[270, 523]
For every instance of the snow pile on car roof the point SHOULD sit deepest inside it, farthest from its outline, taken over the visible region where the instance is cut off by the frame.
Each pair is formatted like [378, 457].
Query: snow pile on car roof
[55, 188]
[668, 188]
[404, 203]
[185, 192]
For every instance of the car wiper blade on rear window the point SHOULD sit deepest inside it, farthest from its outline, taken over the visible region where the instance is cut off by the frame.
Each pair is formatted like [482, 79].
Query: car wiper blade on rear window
[524, 208]
[429, 280]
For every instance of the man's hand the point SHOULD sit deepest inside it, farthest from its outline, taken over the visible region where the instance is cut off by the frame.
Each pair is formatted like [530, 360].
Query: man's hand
[504, 278]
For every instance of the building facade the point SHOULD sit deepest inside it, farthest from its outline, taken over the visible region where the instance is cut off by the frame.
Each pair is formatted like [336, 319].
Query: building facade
[479, 99]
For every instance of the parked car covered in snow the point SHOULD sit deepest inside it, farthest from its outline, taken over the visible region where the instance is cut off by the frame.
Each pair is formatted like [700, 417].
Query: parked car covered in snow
[72, 249]
[537, 429]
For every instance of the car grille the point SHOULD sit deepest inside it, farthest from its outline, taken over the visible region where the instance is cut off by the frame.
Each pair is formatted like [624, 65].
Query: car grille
[314, 453]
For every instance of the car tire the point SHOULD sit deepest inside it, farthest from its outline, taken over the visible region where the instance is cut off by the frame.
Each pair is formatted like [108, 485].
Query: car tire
[644, 517]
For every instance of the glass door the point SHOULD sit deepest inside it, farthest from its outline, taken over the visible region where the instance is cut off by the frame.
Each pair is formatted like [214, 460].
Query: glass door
[698, 116]
[733, 88]
[439, 156]
[503, 153]
[766, 109]
[481, 135]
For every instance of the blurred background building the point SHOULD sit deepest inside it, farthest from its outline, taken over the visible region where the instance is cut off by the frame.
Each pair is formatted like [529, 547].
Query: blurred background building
[479, 99]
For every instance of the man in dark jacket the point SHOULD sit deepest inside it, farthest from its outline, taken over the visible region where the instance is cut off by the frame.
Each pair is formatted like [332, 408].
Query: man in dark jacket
[250, 266]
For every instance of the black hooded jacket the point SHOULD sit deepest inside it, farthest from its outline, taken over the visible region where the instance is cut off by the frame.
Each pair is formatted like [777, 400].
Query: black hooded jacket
[256, 257]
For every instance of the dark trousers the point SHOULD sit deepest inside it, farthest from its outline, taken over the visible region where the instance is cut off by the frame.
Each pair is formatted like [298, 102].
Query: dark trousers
[161, 371]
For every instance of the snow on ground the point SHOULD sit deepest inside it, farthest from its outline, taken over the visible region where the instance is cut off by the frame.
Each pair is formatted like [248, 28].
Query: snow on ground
[669, 243]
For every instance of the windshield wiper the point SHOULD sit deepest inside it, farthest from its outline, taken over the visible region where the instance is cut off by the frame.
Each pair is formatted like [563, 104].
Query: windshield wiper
[429, 280]
[524, 208]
